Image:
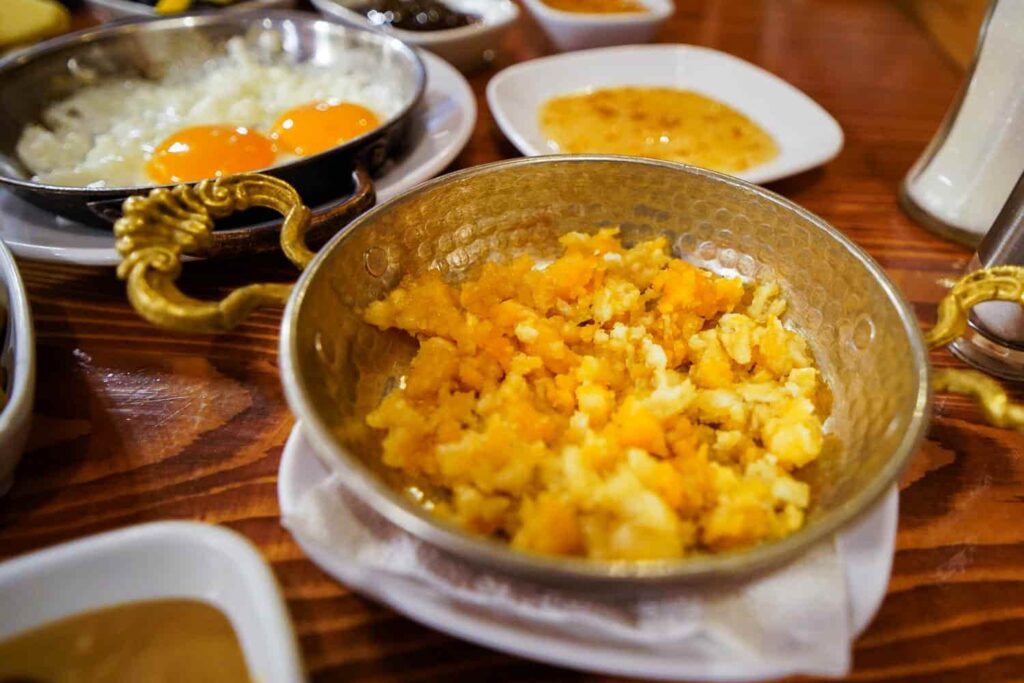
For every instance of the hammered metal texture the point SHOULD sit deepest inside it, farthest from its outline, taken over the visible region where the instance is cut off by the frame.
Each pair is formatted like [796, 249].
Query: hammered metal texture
[862, 335]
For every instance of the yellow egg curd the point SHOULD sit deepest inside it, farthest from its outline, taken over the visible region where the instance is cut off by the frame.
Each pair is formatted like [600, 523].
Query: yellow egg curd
[658, 123]
[615, 404]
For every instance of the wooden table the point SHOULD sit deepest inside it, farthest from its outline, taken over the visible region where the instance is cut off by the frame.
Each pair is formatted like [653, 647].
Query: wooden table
[134, 425]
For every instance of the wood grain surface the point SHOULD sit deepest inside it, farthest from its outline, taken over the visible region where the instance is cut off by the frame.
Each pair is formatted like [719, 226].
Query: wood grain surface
[953, 24]
[134, 425]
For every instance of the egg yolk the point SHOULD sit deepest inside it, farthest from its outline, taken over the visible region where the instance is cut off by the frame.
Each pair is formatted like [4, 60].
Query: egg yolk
[203, 152]
[316, 126]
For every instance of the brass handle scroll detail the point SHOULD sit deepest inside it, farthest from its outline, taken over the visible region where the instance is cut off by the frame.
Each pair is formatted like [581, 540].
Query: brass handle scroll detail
[999, 283]
[156, 230]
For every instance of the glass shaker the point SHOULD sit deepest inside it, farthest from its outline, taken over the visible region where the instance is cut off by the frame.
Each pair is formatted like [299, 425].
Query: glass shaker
[965, 176]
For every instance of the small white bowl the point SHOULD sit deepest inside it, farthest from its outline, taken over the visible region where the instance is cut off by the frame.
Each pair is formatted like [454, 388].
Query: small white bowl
[579, 30]
[18, 360]
[186, 560]
[806, 134]
[467, 48]
[109, 10]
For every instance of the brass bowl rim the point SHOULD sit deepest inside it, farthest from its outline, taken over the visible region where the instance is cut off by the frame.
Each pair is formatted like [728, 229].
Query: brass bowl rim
[577, 572]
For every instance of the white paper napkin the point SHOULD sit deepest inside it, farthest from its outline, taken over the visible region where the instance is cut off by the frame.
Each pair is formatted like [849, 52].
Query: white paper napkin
[796, 619]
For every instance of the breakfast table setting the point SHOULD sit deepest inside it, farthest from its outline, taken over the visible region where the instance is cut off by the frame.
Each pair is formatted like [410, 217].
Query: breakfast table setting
[255, 365]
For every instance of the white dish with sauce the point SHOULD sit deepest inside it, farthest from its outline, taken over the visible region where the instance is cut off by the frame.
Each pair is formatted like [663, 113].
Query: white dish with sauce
[581, 30]
[806, 134]
[467, 48]
[156, 561]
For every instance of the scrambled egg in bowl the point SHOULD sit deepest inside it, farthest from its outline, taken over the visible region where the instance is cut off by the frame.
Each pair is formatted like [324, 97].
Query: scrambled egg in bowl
[617, 404]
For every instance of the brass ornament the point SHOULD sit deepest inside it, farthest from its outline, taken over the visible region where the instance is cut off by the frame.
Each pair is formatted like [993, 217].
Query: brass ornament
[158, 229]
[989, 394]
[1000, 283]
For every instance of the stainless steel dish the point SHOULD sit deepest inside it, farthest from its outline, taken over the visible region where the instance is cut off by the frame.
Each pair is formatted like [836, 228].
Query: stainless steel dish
[467, 48]
[335, 367]
[34, 78]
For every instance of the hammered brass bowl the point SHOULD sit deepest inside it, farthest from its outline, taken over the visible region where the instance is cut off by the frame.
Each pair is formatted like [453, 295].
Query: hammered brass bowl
[335, 368]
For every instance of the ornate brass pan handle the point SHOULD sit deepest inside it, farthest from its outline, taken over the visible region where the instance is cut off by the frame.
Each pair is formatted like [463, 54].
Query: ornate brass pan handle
[158, 229]
[998, 283]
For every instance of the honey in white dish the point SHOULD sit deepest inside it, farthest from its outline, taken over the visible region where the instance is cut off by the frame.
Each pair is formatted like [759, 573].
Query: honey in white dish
[156, 641]
[658, 123]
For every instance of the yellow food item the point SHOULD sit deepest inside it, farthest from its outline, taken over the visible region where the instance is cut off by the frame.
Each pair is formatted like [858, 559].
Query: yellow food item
[597, 6]
[152, 640]
[26, 21]
[202, 152]
[172, 6]
[317, 126]
[616, 404]
[659, 123]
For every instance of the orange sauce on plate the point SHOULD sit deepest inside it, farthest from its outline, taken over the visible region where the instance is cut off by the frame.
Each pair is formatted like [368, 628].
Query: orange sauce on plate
[658, 123]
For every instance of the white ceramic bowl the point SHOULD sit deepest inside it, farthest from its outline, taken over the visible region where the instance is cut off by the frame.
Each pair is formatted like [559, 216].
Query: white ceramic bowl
[18, 360]
[466, 48]
[108, 10]
[578, 30]
[806, 134]
[152, 561]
